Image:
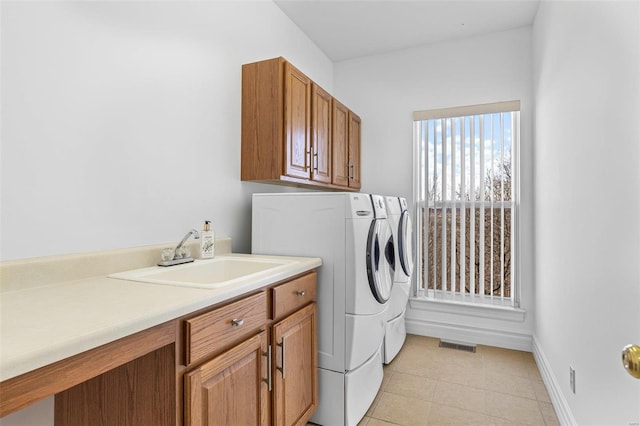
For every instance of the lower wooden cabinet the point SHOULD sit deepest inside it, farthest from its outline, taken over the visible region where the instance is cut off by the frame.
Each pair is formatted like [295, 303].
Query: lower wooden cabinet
[232, 388]
[268, 378]
[252, 361]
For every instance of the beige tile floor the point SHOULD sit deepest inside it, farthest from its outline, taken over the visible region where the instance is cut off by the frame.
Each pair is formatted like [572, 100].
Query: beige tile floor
[428, 385]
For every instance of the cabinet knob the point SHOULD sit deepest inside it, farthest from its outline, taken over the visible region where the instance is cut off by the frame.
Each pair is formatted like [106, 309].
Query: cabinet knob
[301, 292]
[237, 322]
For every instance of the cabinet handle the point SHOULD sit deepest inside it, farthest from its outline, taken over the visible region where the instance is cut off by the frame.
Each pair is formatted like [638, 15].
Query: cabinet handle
[268, 379]
[283, 350]
[350, 170]
[308, 160]
[301, 292]
[237, 322]
[315, 161]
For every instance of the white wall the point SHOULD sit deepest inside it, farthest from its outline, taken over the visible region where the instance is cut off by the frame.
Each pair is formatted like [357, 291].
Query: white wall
[121, 123]
[385, 90]
[121, 120]
[587, 181]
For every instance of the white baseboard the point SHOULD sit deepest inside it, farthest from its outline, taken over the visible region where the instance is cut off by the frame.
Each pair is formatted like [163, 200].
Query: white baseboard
[470, 335]
[565, 417]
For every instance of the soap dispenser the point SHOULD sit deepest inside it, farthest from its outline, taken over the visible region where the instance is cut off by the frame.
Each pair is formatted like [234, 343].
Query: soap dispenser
[207, 247]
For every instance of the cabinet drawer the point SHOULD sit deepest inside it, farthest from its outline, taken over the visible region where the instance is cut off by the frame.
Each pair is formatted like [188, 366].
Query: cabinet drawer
[214, 330]
[293, 295]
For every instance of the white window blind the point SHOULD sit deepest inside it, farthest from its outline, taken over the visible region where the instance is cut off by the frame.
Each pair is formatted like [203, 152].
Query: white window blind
[465, 183]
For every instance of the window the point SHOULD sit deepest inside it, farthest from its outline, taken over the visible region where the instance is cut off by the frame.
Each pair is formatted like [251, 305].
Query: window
[466, 192]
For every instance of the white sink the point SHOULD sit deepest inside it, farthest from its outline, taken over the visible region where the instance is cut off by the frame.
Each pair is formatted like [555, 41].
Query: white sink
[219, 272]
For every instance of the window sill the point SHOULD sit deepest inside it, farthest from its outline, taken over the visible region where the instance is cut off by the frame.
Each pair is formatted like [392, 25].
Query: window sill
[481, 310]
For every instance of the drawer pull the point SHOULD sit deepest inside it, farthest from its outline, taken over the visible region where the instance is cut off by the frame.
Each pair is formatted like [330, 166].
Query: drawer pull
[283, 349]
[301, 292]
[237, 322]
[268, 379]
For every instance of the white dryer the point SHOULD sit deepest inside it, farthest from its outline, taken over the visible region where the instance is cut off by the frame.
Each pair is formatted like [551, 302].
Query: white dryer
[395, 331]
[349, 231]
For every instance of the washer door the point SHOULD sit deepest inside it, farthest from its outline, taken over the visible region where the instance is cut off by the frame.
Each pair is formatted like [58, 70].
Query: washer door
[380, 260]
[404, 243]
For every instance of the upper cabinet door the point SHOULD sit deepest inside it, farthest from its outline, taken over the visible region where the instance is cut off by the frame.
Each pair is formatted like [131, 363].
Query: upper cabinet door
[354, 150]
[340, 140]
[320, 134]
[297, 125]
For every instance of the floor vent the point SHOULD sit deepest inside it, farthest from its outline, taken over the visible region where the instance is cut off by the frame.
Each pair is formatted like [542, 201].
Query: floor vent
[457, 346]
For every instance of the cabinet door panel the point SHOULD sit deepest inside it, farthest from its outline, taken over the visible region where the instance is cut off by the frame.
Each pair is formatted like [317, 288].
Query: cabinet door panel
[297, 108]
[340, 139]
[263, 139]
[230, 388]
[321, 135]
[354, 150]
[296, 380]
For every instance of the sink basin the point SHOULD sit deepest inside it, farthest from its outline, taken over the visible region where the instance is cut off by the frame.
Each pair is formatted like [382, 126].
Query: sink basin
[214, 273]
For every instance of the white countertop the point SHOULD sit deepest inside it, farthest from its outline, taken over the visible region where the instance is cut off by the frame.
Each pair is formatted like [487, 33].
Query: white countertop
[42, 325]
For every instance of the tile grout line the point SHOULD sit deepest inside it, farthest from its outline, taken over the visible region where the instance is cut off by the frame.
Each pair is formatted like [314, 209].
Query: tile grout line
[376, 400]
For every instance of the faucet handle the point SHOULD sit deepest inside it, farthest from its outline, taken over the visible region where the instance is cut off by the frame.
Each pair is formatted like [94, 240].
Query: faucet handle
[167, 254]
[182, 253]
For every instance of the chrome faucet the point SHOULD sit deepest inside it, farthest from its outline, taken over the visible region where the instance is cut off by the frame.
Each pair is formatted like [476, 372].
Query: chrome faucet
[177, 256]
[186, 237]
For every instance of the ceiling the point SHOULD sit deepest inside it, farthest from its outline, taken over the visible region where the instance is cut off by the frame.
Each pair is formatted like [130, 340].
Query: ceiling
[347, 29]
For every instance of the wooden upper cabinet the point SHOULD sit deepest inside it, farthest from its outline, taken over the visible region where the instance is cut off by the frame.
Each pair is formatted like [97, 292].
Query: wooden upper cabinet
[354, 150]
[297, 115]
[321, 134]
[288, 130]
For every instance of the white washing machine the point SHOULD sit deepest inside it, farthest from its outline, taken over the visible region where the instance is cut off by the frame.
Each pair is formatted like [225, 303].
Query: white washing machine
[349, 231]
[395, 331]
